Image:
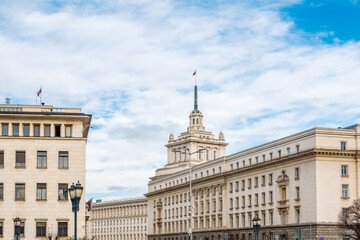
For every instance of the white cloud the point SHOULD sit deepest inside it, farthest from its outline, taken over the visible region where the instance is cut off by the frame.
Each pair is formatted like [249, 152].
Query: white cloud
[130, 65]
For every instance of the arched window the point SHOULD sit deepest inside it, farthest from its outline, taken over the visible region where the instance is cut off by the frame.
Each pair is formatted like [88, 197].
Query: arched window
[197, 121]
[193, 120]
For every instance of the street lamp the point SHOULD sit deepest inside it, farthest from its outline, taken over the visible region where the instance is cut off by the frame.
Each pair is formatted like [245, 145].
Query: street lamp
[187, 151]
[75, 192]
[256, 224]
[17, 223]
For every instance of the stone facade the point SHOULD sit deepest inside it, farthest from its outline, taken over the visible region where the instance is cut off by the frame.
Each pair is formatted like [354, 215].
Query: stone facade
[291, 183]
[121, 219]
[42, 152]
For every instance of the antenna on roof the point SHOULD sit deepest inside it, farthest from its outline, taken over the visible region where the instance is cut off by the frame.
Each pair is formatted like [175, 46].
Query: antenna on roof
[7, 101]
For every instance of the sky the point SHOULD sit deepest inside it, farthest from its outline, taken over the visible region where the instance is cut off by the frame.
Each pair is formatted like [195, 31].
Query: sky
[265, 69]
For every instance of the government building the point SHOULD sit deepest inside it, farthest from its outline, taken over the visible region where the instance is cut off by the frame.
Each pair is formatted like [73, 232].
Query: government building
[42, 152]
[296, 185]
[120, 219]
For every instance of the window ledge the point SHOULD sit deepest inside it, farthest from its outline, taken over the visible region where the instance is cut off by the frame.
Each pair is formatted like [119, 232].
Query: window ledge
[41, 200]
[249, 205]
[345, 198]
[62, 200]
[20, 167]
[297, 178]
[249, 187]
[20, 200]
[297, 199]
[271, 203]
[263, 185]
[270, 184]
[255, 186]
[263, 204]
[63, 168]
[256, 205]
[345, 176]
[41, 167]
[2, 167]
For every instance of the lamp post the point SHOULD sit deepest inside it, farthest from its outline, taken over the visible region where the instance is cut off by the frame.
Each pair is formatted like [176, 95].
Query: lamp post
[17, 223]
[187, 151]
[75, 192]
[256, 224]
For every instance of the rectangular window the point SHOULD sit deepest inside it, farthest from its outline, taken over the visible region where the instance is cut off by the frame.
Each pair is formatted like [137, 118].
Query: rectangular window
[345, 190]
[263, 180]
[264, 221]
[297, 173]
[15, 130]
[270, 179]
[271, 218]
[63, 160]
[20, 191]
[344, 169]
[1, 191]
[20, 159]
[214, 154]
[343, 146]
[41, 229]
[243, 185]
[297, 148]
[207, 154]
[249, 161]
[36, 130]
[237, 202]
[62, 229]
[41, 191]
[1, 228]
[279, 153]
[243, 201]
[271, 156]
[263, 158]
[244, 163]
[237, 186]
[231, 167]
[5, 129]
[57, 130]
[41, 159]
[297, 190]
[1, 158]
[271, 196]
[231, 187]
[288, 151]
[68, 131]
[257, 160]
[47, 130]
[297, 215]
[249, 183]
[237, 165]
[199, 154]
[256, 199]
[263, 198]
[26, 130]
[256, 182]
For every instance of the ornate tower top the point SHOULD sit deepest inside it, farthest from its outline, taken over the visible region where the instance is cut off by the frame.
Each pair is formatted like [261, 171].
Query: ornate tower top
[194, 139]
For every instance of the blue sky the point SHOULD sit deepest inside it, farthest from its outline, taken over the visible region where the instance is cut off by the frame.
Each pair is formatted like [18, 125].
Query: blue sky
[266, 69]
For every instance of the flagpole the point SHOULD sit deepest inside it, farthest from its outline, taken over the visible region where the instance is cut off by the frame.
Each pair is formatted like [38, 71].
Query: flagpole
[41, 96]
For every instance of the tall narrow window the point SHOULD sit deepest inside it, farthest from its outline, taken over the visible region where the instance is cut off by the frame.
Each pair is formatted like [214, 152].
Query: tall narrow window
[297, 215]
[57, 130]
[344, 170]
[41, 159]
[271, 156]
[1, 228]
[62, 229]
[1, 158]
[271, 197]
[207, 154]
[297, 190]
[5, 129]
[41, 191]
[263, 158]
[68, 131]
[26, 130]
[1, 191]
[20, 159]
[20, 191]
[47, 130]
[288, 151]
[343, 146]
[41, 229]
[214, 154]
[250, 161]
[15, 129]
[297, 173]
[345, 190]
[37, 130]
[279, 153]
[270, 179]
[199, 154]
[63, 160]
[297, 148]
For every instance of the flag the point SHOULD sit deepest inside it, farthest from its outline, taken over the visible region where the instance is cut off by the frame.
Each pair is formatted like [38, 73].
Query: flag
[38, 92]
[194, 73]
[89, 205]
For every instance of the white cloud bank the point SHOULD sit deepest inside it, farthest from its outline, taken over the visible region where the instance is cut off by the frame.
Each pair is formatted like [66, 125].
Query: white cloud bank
[130, 64]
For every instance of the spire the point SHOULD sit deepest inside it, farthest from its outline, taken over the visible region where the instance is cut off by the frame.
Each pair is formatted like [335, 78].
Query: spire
[195, 98]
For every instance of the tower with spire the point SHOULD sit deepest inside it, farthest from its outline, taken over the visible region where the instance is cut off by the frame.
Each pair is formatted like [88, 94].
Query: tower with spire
[193, 139]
